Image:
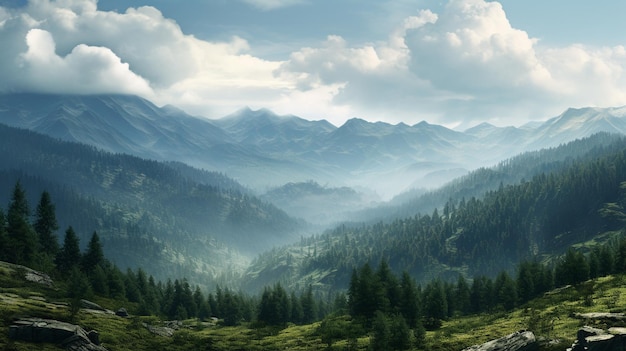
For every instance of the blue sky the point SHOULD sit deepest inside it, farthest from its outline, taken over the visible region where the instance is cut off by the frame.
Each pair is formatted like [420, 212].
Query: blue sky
[457, 62]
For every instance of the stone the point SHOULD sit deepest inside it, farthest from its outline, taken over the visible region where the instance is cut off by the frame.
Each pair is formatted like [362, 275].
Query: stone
[611, 317]
[91, 305]
[588, 331]
[94, 337]
[518, 341]
[617, 331]
[122, 312]
[69, 336]
[594, 339]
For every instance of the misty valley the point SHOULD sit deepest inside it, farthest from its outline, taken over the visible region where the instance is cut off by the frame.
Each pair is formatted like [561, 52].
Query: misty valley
[156, 229]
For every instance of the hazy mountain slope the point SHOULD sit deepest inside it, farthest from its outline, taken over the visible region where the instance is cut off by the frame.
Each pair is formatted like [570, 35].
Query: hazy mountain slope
[263, 150]
[478, 182]
[543, 215]
[150, 200]
[317, 204]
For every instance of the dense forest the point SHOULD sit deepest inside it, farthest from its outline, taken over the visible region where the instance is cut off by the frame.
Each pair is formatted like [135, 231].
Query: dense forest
[184, 221]
[395, 310]
[30, 239]
[535, 218]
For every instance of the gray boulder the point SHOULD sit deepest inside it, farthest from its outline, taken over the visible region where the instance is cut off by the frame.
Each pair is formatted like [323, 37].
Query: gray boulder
[518, 341]
[122, 312]
[69, 336]
[594, 339]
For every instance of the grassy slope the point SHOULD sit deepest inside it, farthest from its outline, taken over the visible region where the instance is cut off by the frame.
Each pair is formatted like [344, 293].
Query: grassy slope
[550, 317]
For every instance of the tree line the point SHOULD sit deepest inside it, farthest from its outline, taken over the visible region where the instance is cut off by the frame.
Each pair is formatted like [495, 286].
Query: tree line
[395, 311]
[32, 241]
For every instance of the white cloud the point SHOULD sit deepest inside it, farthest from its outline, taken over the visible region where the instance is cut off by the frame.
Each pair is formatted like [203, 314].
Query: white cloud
[85, 70]
[267, 5]
[71, 46]
[463, 64]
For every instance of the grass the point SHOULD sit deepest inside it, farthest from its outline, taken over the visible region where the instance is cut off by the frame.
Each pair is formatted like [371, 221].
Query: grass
[550, 317]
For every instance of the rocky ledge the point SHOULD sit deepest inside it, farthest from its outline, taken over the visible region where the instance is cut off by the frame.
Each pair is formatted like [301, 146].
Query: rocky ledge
[69, 336]
[594, 339]
[518, 341]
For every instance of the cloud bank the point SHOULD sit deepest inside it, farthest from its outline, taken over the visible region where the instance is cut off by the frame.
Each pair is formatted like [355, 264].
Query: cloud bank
[463, 65]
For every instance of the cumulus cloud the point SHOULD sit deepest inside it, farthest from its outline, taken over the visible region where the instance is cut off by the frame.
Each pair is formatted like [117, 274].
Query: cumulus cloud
[464, 64]
[85, 70]
[70, 46]
[267, 5]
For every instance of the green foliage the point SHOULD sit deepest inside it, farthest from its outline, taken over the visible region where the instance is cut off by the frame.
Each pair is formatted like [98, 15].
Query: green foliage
[572, 269]
[94, 256]
[46, 225]
[77, 288]
[381, 333]
[274, 308]
[482, 234]
[69, 255]
[22, 244]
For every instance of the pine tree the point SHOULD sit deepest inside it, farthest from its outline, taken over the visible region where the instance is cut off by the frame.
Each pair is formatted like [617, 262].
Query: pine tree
[296, 314]
[381, 334]
[309, 308]
[572, 269]
[400, 334]
[463, 296]
[22, 239]
[204, 310]
[69, 255]
[390, 288]
[505, 291]
[4, 238]
[409, 305]
[435, 303]
[46, 225]
[78, 288]
[94, 255]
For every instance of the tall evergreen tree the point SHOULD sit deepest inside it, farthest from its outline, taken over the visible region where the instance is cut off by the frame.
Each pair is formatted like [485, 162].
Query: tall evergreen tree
[390, 287]
[400, 334]
[23, 243]
[4, 239]
[435, 302]
[463, 296]
[381, 334]
[505, 291]
[69, 255]
[309, 308]
[78, 288]
[296, 314]
[46, 225]
[572, 269]
[94, 255]
[409, 305]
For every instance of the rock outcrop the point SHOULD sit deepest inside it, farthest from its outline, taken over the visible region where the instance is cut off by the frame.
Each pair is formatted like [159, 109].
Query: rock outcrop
[594, 339]
[29, 274]
[518, 341]
[601, 316]
[69, 336]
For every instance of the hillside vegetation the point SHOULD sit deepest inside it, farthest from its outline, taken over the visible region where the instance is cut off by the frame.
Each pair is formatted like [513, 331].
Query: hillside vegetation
[550, 317]
[183, 221]
[571, 202]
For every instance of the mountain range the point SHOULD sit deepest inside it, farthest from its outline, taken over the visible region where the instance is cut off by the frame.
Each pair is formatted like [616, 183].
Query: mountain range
[263, 150]
[194, 218]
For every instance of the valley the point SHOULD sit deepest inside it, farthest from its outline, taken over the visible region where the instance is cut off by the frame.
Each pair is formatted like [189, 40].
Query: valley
[265, 213]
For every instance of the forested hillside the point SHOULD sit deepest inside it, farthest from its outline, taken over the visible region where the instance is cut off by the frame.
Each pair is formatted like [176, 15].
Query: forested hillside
[165, 217]
[569, 202]
[476, 183]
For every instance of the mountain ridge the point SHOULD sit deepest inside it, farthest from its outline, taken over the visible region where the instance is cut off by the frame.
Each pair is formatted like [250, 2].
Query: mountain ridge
[262, 149]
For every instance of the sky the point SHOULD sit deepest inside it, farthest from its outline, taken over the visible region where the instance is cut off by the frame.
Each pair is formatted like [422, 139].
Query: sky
[457, 63]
